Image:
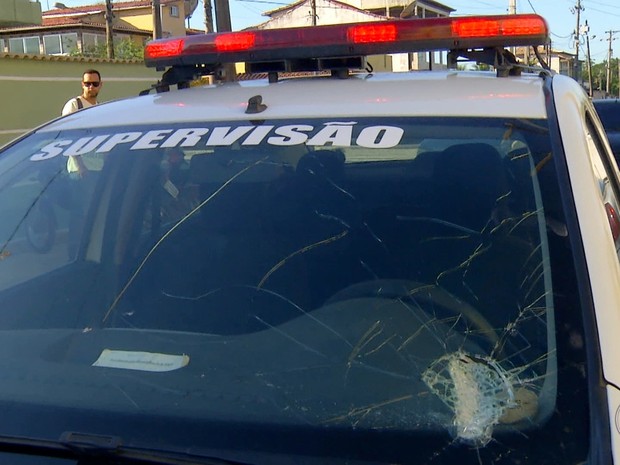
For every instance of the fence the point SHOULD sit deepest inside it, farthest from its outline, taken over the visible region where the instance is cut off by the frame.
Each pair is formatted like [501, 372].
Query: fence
[33, 88]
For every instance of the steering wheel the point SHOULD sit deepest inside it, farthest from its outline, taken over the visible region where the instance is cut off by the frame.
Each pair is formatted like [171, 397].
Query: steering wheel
[229, 310]
[406, 289]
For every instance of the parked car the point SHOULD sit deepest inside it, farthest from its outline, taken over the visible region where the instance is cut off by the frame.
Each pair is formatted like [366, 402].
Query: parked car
[344, 268]
[609, 113]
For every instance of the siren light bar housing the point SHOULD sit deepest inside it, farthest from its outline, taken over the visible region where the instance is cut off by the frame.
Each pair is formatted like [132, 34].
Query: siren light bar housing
[343, 46]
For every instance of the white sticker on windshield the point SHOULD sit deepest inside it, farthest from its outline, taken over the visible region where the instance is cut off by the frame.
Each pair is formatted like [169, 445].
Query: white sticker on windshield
[330, 134]
[141, 361]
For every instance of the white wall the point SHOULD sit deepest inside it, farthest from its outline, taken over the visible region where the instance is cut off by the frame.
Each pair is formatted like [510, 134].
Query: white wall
[327, 13]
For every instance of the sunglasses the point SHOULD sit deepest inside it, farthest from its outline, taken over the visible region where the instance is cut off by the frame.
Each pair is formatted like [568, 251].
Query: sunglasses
[94, 84]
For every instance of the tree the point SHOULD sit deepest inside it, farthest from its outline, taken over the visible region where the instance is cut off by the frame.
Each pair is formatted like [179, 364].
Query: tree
[599, 76]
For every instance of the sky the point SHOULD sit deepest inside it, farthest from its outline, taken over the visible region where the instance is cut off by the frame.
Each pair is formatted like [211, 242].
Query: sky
[602, 16]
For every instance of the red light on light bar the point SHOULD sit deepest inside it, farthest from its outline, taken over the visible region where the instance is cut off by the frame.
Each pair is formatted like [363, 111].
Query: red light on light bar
[164, 48]
[372, 33]
[235, 42]
[501, 27]
[475, 28]
[513, 27]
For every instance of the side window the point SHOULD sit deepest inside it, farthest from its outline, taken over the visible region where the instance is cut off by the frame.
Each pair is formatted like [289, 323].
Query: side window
[607, 175]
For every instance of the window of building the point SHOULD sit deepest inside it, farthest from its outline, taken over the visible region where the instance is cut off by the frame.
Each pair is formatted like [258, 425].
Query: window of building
[2, 45]
[174, 11]
[90, 41]
[60, 44]
[25, 45]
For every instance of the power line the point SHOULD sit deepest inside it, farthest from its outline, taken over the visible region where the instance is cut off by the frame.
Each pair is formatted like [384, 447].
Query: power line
[604, 4]
[531, 6]
[562, 37]
[604, 12]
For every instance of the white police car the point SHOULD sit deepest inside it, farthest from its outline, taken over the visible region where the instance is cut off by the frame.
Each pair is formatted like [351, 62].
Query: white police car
[358, 268]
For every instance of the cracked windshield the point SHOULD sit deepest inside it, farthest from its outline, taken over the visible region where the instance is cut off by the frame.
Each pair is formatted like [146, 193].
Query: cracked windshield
[395, 290]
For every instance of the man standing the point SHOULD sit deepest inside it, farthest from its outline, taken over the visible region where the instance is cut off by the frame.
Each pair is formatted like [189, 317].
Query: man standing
[77, 170]
[91, 84]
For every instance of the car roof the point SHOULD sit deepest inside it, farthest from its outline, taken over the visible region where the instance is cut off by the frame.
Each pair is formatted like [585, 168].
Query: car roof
[428, 93]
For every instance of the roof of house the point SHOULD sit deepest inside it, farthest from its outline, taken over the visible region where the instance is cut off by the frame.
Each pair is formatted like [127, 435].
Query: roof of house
[343, 4]
[73, 22]
[100, 7]
[85, 16]
[299, 3]
[434, 4]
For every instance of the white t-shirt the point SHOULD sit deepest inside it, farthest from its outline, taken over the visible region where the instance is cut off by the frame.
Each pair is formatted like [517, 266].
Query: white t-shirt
[72, 106]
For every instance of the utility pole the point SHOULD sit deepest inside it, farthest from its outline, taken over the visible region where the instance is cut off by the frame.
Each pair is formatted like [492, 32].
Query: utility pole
[109, 36]
[313, 11]
[512, 7]
[608, 67]
[156, 20]
[577, 68]
[223, 23]
[512, 10]
[222, 16]
[591, 89]
[208, 15]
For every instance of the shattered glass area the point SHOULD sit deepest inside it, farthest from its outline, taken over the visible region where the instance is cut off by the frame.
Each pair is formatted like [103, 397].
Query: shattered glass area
[478, 391]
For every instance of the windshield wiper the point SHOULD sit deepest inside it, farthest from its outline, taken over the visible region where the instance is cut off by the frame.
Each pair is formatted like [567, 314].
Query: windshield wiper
[97, 449]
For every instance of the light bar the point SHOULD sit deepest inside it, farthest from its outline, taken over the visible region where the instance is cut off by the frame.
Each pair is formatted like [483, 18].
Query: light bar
[347, 40]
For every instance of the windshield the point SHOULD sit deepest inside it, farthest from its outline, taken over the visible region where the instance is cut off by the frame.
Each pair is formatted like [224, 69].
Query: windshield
[381, 290]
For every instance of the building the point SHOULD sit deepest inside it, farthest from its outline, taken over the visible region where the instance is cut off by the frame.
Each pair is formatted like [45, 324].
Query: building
[562, 62]
[558, 61]
[65, 31]
[317, 12]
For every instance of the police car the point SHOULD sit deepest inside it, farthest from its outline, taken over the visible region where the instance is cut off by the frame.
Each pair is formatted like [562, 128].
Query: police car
[347, 267]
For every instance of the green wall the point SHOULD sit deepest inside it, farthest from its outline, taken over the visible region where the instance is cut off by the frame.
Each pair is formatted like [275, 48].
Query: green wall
[25, 12]
[33, 89]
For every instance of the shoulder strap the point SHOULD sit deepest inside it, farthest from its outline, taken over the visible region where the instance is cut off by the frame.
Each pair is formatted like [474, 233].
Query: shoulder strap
[80, 105]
